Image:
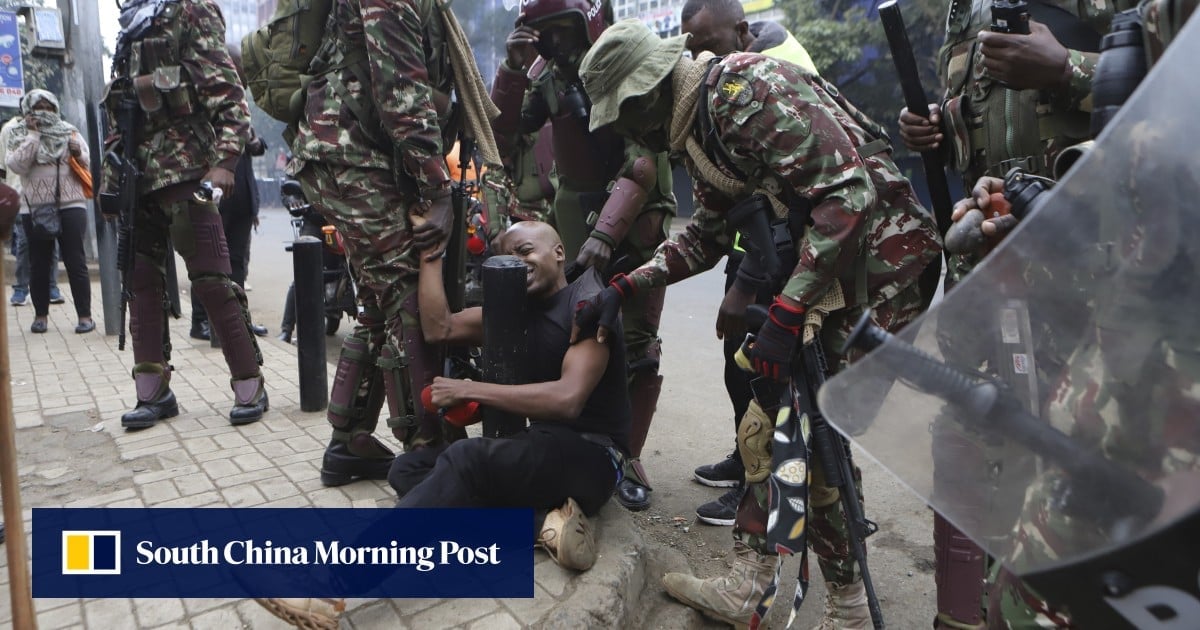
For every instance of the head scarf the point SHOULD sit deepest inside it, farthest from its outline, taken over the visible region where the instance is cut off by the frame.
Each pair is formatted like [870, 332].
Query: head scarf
[55, 132]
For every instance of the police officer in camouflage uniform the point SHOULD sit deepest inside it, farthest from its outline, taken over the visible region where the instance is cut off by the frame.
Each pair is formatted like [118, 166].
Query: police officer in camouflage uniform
[769, 126]
[368, 152]
[171, 56]
[1010, 100]
[531, 90]
[720, 27]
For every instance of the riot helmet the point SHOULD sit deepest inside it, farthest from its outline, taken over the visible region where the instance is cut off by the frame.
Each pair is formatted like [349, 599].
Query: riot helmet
[592, 15]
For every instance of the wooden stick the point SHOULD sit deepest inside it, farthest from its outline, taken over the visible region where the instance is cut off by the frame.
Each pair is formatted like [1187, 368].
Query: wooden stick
[23, 614]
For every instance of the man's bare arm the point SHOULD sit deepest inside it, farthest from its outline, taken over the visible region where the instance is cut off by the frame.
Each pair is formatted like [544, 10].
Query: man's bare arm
[561, 400]
[438, 324]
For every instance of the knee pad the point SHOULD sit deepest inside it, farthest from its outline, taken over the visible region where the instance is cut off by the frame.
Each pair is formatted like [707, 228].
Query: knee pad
[959, 575]
[146, 313]
[754, 442]
[201, 241]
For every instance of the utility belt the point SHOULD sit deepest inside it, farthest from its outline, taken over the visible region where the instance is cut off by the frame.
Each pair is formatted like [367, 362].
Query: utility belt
[614, 454]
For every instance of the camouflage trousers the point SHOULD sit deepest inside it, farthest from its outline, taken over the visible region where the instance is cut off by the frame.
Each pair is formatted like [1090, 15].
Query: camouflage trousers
[828, 526]
[370, 213]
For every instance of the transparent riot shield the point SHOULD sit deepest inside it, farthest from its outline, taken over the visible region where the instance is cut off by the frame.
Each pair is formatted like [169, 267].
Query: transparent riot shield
[1050, 406]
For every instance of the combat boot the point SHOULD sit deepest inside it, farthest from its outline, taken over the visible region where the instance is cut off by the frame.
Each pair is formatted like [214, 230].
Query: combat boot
[311, 613]
[364, 457]
[732, 598]
[846, 608]
[155, 400]
[567, 536]
[249, 400]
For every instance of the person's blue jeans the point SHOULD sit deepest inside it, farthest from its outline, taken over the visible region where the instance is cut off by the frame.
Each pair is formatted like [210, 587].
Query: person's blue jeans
[20, 250]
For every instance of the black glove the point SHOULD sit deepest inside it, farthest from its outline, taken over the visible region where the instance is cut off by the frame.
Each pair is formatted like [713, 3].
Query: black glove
[776, 342]
[599, 315]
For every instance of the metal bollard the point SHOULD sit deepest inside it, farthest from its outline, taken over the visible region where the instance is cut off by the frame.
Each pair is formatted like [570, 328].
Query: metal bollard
[310, 322]
[505, 343]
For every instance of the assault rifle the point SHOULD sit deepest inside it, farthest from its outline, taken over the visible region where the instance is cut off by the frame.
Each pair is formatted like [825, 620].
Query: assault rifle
[769, 246]
[122, 202]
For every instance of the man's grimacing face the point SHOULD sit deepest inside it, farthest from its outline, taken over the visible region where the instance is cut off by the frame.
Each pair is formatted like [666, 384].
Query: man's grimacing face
[538, 246]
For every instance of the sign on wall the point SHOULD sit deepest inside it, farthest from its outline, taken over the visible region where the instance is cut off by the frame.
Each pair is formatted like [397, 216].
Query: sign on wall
[12, 81]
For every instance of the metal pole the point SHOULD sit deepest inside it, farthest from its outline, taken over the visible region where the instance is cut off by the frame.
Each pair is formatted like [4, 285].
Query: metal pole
[307, 266]
[505, 344]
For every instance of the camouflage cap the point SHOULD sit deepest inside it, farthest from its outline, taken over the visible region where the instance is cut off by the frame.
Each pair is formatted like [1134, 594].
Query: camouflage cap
[628, 60]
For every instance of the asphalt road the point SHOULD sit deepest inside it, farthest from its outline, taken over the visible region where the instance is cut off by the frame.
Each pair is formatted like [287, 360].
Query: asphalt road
[693, 426]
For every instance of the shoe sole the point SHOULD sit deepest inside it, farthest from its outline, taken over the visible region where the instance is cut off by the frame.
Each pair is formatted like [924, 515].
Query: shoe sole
[716, 483]
[715, 521]
[707, 612]
[633, 507]
[170, 413]
[298, 618]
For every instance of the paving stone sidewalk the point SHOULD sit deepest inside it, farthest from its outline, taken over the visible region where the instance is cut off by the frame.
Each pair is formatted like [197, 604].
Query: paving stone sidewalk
[64, 383]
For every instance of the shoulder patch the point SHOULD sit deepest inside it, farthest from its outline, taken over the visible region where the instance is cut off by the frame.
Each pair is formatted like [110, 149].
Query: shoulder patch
[734, 89]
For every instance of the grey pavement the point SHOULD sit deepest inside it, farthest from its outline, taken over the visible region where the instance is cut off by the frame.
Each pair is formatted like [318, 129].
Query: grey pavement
[69, 391]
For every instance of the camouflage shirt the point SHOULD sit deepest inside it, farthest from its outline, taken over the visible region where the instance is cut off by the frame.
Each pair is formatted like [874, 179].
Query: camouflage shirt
[194, 109]
[992, 128]
[789, 126]
[409, 86]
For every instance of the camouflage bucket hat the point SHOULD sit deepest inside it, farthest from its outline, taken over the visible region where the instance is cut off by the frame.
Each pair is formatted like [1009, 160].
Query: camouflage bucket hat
[627, 61]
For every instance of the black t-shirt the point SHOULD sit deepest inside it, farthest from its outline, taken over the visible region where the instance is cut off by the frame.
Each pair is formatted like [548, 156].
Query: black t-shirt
[607, 409]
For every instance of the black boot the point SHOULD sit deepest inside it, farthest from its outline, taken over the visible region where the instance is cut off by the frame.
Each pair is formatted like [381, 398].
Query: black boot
[633, 491]
[249, 401]
[341, 466]
[149, 412]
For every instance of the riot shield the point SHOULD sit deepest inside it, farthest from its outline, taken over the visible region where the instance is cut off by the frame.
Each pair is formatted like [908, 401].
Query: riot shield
[1082, 476]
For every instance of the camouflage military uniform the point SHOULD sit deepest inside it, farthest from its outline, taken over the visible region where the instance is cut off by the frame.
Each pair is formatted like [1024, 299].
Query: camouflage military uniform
[194, 118]
[366, 177]
[991, 129]
[868, 232]
[586, 163]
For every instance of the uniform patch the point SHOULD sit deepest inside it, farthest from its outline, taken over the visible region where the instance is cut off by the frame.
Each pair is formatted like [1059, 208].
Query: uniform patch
[734, 89]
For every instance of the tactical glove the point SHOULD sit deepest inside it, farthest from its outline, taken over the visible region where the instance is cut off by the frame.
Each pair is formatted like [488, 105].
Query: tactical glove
[776, 341]
[597, 316]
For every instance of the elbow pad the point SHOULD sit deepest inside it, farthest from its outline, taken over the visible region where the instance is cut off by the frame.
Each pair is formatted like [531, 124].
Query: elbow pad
[508, 93]
[625, 201]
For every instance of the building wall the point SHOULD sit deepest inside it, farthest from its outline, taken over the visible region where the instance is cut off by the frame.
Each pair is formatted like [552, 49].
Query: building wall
[241, 17]
[662, 16]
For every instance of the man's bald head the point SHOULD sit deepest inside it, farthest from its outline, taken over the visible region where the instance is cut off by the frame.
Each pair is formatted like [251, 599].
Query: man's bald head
[718, 26]
[538, 245]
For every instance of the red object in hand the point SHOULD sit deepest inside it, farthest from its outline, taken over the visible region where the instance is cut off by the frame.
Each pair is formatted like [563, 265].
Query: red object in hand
[459, 415]
[476, 245]
[998, 206]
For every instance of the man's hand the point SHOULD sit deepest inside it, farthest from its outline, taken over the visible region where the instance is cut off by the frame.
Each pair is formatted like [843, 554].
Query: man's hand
[599, 315]
[31, 122]
[731, 316]
[982, 199]
[1025, 62]
[921, 134]
[775, 345]
[519, 47]
[449, 392]
[594, 253]
[221, 178]
[73, 146]
[432, 231]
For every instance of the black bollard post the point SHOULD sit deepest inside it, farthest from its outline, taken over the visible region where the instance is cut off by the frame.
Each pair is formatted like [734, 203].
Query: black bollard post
[505, 344]
[310, 322]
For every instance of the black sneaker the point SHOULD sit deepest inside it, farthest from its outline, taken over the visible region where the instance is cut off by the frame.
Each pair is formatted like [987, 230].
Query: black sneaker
[723, 511]
[726, 473]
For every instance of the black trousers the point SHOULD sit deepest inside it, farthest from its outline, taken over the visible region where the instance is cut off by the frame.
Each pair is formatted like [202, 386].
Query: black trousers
[70, 247]
[538, 468]
[737, 380]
